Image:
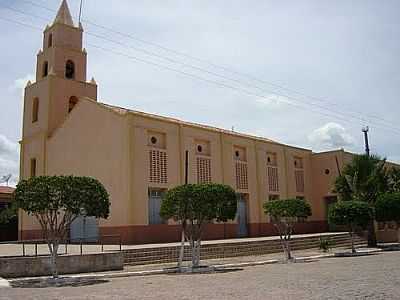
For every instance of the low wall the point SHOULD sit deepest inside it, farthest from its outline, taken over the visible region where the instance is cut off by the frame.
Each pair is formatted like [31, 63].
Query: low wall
[67, 264]
[387, 236]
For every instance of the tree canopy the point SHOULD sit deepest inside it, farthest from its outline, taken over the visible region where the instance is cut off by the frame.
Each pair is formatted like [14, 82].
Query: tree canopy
[350, 213]
[288, 210]
[364, 179]
[200, 203]
[55, 201]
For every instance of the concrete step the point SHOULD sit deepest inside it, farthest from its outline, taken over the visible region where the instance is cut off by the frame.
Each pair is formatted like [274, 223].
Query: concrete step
[141, 256]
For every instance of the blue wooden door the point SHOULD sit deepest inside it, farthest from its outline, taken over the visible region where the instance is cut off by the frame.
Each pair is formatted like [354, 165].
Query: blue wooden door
[242, 216]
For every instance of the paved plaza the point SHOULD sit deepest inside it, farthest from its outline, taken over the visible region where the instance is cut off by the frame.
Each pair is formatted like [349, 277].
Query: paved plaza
[369, 277]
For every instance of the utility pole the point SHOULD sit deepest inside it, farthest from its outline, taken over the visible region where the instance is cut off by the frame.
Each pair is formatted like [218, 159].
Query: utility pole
[182, 250]
[365, 130]
[80, 12]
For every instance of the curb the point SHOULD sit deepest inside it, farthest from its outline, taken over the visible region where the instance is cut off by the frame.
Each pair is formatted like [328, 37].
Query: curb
[247, 264]
[4, 283]
[154, 272]
[307, 258]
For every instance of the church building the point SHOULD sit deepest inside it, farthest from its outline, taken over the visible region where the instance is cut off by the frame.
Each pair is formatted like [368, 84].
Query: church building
[138, 156]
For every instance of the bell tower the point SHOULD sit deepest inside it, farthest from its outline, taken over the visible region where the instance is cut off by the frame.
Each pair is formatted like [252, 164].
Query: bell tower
[60, 82]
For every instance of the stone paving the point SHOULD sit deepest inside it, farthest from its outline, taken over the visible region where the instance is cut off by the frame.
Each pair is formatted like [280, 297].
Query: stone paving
[367, 277]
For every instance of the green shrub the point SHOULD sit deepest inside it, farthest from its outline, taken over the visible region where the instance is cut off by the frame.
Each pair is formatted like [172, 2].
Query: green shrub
[387, 208]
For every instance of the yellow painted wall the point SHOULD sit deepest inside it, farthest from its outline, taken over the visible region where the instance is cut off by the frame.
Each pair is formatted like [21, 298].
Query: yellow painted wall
[93, 142]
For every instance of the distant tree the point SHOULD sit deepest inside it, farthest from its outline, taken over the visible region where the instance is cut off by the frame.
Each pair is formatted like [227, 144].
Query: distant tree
[365, 178]
[387, 209]
[284, 214]
[9, 214]
[352, 214]
[56, 201]
[195, 205]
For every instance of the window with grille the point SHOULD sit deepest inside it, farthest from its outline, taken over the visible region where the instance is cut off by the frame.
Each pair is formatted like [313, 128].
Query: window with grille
[241, 175]
[33, 167]
[203, 170]
[298, 163]
[299, 175]
[35, 109]
[271, 159]
[158, 166]
[272, 175]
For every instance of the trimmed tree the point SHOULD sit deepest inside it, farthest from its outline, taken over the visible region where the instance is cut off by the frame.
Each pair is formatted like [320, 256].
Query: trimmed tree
[195, 205]
[387, 209]
[284, 214]
[352, 214]
[56, 201]
[364, 179]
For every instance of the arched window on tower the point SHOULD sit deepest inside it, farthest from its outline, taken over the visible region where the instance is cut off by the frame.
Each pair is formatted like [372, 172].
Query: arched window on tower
[50, 41]
[70, 69]
[72, 102]
[35, 109]
[45, 70]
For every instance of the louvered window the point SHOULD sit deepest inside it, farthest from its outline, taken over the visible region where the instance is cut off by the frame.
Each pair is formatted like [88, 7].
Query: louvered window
[158, 166]
[203, 170]
[272, 175]
[299, 175]
[241, 175]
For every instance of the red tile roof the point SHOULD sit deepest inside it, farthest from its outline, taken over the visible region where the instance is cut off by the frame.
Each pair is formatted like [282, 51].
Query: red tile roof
[6, 190]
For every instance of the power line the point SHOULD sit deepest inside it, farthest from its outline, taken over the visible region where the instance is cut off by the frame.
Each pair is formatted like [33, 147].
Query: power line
[220, 84]
[230, 70]
[354, 115]
[177, 71]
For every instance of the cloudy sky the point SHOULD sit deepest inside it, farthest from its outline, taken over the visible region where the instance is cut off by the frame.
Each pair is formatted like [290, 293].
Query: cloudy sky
[306, 73]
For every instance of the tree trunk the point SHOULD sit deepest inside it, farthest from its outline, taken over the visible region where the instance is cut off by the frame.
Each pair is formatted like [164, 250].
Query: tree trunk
[182, 250]
[197, 253]
[371, 234]
[353, 249]
[193, 250]
[288, 251]
[53, 248]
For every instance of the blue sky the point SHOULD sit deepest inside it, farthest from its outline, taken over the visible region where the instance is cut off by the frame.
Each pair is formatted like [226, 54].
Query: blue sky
[339, 60]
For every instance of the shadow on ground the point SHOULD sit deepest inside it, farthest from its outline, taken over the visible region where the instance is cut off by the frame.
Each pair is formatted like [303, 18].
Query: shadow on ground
[208, 271]
[60, 282]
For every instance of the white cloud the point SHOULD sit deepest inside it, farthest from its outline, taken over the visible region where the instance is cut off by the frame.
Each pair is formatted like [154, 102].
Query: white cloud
[20, 83]
[273, 101]
[331, 135]
[9, 159]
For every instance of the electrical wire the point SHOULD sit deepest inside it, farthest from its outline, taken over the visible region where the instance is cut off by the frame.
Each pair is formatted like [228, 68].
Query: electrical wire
[224, 85]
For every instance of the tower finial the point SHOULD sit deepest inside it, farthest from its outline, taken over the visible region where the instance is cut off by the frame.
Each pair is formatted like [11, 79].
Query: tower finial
[64, 15]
